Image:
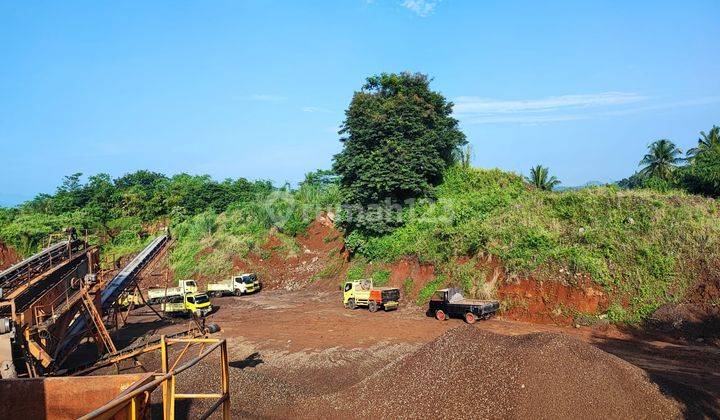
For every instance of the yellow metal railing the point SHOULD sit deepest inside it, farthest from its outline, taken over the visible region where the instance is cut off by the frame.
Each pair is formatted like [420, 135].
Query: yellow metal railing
[134, 402]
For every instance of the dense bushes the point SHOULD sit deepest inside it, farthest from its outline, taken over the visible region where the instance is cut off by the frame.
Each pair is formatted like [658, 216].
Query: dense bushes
[207, 243]
[118, 213]
[642, 245]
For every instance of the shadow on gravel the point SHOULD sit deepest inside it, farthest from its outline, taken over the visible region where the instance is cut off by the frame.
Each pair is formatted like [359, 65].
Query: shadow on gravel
[133, 331]
[249, 362]
[182, 410]
[682, 372]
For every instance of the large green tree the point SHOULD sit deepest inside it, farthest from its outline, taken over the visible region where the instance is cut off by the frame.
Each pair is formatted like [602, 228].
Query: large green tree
[661, 160]
[398, 137]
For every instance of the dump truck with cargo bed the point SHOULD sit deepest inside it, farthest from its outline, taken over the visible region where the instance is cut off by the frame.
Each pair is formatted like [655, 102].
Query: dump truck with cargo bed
[190, 303]
[450, 303]
[236, 285]
[363, 293]
[160, 294]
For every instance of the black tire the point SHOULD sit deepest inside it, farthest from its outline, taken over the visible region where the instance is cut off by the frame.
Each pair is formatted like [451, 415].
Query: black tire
[351, 304]
[470, 318]
[237, 292]
[440, 315]
[372, 306]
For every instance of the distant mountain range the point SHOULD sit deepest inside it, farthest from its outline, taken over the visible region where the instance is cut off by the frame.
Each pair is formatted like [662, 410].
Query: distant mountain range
[588, 184]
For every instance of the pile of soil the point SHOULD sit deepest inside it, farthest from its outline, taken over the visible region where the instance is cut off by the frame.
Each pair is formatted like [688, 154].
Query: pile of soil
[697, 316]
[320, 260]
[8, 256]
[470, 373]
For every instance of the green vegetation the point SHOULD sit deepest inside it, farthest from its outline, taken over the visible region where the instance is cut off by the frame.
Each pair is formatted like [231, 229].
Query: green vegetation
[540, 178]
[212, 222]
[398, 138]
[407, 286]
[706, 142]
[430, 288]
[641, 245]
[408, 189]
[663, 171]
[356, 271]
[662, 159]
[380, 277]
[111, 211]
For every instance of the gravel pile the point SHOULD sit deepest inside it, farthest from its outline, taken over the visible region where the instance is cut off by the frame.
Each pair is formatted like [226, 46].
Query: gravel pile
[470, 373]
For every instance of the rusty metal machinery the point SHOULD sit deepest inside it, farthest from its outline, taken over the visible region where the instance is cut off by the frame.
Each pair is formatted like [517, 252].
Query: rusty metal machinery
[53, 299]
[112, 290]
[35, 303]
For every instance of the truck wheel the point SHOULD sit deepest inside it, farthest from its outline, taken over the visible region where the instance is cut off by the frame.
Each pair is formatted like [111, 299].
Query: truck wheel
[350, 304]
[237, 292]
[470, 318]
[440, 315]
[372, 306]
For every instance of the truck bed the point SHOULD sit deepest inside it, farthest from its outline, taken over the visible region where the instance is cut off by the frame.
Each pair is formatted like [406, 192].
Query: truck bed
[471, 302]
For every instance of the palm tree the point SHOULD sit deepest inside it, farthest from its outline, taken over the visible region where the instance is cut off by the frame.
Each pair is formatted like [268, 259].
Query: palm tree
[661, 160]
[706, 141]
[539, 177]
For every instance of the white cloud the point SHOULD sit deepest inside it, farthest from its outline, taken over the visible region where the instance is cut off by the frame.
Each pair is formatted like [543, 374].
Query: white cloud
[265, 97]
[685, 103]
[314, 109]
[472, 105]
[421, 7]
[475, 110]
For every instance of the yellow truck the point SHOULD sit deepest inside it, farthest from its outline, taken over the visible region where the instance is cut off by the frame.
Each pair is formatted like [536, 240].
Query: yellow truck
[190, 303]
[127, 298]
[363, 293]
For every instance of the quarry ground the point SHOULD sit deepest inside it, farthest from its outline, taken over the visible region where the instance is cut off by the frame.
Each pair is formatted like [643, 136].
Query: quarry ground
[288, 347]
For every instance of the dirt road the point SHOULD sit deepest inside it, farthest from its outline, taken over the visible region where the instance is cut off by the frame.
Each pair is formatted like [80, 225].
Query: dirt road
[286, 347]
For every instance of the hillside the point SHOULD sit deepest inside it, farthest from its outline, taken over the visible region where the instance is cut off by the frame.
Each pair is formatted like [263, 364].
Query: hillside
[640, 248]
[577, 256]
[573, 256]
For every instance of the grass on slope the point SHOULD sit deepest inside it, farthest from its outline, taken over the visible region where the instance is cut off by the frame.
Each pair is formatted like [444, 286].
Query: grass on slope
[641, 246]
[207, 243]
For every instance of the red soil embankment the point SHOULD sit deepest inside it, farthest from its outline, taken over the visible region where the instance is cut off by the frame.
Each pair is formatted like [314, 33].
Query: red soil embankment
[698, 313]
[550, 301]
[318, 260]
[8, 256]
[524, 299]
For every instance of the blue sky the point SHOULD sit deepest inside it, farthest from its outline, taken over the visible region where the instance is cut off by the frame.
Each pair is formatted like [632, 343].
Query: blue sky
[258, 88]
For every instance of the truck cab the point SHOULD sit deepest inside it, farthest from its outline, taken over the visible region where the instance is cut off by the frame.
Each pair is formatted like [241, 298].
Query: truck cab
[235, 285]
[247, 282]
[190, 303]
[188, 286]
[363, 293]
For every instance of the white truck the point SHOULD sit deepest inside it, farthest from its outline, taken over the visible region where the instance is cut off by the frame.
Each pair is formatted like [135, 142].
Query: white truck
[236, 285]
[160, 294]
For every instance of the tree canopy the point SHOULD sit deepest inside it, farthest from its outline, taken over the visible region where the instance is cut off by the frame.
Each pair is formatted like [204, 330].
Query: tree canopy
[661, 160]
[398, 138]
[105, 206]
[540, 178]
[705, 142]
